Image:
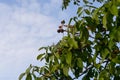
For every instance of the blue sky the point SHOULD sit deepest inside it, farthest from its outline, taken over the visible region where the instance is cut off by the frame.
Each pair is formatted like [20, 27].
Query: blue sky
[26, 25]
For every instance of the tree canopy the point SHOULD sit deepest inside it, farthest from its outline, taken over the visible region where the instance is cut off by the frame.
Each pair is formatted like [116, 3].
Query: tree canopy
[91, 48]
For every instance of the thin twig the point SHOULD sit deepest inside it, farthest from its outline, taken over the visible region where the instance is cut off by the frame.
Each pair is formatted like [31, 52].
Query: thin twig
[97, 57]
[84, 71]
[106, 64]
[91, 37]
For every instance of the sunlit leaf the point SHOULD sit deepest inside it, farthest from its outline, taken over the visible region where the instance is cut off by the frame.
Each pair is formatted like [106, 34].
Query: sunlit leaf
[54, 67]
[79, 11]
[114, 10]
[73, 43]
[105, 21]
[57, 55]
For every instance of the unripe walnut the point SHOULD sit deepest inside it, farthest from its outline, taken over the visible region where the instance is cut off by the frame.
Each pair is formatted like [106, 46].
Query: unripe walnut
[62, 22]
[61, 30]
[58, 30]
[60, 26]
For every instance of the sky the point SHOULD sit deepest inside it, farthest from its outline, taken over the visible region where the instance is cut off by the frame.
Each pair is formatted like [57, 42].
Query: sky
[25, 26]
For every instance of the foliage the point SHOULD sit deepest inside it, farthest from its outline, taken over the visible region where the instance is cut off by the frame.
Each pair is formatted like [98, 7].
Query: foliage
[91, 48]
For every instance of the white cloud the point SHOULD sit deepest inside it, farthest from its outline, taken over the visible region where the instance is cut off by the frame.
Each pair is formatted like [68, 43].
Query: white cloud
[23, 29]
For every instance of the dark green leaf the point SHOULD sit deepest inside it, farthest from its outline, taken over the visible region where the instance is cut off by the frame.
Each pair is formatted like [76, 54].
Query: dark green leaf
[104, 75]
[34, 76]
[87, 11]
[40, 56]
[65, 70]
[42, 48]
[68, 58]
[28, 69]
[105, 52]
[79, 11]
[79, 63]
[116, 60]
[21, 76]
[85, 1]
[114, 10]
[29, 77]
[70, 21]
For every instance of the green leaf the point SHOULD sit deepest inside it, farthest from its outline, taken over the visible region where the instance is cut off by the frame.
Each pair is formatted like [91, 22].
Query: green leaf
[72, 43]
[98, 36]
[105, 21]
[63, 43]
[65, 70]
[34, 76]
[70, 21]
[79, 63]
[68, 58]
[79, 11]
[116, 60]
[85, 1]
[118, 34]
[28, 69]
[54, 67]
[101, 78]
[57, 55]
[105, 52]
[75, 45]
[42, 48]
[87, 11]
[42, 69]
[86, 77]
[114, 10]
[53, 78]
[29, 77]
[81, 34]
[21, 76]
[118, 1]
[110, 44]
[95, 14]
[97, 65]
[40, 78]
[40, 56]
[104, 75]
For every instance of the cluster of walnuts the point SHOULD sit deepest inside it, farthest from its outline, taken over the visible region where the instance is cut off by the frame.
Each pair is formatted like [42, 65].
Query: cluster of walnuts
[61, 30]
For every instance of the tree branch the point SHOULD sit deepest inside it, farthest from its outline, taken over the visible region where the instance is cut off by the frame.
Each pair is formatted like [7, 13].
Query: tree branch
[89, 67]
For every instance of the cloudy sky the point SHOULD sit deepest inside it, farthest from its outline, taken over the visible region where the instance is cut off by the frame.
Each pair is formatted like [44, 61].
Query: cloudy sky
[26, 25]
